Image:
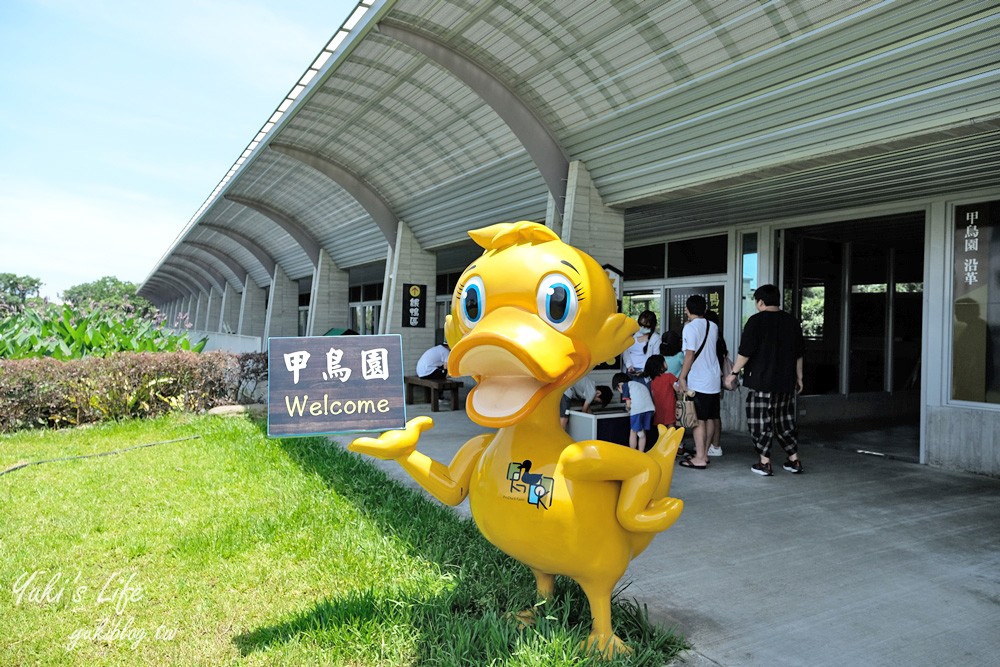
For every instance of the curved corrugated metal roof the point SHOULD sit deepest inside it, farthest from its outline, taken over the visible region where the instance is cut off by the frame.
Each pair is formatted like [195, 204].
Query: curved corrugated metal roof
[685, 112]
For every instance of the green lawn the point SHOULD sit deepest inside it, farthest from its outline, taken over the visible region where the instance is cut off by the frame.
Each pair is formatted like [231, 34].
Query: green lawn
[230, 548]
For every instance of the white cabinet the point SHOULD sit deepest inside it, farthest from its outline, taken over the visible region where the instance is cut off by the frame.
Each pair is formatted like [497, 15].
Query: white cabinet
[610, 424]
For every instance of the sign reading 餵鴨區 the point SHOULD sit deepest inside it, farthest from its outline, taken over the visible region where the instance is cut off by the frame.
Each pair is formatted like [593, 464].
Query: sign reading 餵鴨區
[334, 384]
[415, 311]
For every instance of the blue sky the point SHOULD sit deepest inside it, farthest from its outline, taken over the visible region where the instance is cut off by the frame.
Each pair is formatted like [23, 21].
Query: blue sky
[118, 119]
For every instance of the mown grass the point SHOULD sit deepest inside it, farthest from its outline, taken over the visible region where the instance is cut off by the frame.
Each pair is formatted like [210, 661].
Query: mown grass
[234, 549]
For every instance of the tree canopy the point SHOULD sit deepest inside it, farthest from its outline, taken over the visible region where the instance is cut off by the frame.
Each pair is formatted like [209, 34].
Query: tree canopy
[19, 288]
[15, 290]
[106, 292]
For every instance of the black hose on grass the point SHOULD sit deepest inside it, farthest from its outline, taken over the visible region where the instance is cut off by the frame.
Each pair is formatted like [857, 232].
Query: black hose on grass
[90, 456]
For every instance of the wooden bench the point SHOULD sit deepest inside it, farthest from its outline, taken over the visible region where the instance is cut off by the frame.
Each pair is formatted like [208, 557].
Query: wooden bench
[432, 390]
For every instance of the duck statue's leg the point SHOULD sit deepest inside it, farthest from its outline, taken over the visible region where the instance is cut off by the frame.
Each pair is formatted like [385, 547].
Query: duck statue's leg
[602, 637]
[545, 585]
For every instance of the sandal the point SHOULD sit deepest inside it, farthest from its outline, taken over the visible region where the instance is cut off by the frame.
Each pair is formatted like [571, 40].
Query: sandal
[686, 463]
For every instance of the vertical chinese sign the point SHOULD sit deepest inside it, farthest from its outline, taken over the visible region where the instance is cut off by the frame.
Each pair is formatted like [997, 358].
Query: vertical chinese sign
[415, 312]
[976, 334]
[678, 296]
[320, 385]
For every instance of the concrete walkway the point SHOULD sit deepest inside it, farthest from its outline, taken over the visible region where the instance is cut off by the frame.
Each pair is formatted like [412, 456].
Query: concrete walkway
[859, 561]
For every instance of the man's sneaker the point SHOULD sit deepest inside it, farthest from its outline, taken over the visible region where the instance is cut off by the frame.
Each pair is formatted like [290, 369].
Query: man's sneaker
[793, 466]
[714, 451]
[763, 469]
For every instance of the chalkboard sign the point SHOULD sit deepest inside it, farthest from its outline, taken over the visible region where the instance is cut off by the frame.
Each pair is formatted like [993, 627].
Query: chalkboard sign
[320, 385]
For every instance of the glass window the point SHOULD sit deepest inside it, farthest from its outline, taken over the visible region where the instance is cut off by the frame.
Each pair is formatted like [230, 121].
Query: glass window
[441, 310]
[645, 262]
[869, 307]
[813, 292]
[446, 283]
[906, 331]
[697, 257]
[857, 288]
[364, 318]
[749, 278]
[303, 319]
[635, 302]
[813, 308]
[976, 308]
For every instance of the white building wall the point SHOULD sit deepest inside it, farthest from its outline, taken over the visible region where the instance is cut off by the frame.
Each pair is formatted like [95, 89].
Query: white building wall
[956, 434]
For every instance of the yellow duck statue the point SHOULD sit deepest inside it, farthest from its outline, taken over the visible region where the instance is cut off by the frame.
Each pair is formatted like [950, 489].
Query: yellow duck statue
[528, 318]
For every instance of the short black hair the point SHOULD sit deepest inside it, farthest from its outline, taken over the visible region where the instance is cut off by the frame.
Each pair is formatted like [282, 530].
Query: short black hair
[697, 305]
[769, 294]
[619, 378]
[671, 343]
[654, 366]
[604, 395]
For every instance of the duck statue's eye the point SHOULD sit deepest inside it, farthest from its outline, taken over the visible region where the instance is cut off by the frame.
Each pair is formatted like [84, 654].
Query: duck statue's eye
[557, 301]
[472, 301]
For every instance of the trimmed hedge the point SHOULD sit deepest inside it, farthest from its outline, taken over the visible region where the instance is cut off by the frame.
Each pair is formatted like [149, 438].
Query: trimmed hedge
[39, 393]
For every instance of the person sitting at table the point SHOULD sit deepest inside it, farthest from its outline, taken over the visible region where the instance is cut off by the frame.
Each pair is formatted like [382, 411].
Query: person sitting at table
[433, 364]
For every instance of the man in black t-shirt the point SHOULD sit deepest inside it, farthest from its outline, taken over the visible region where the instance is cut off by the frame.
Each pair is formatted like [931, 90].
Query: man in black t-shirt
[770, 352]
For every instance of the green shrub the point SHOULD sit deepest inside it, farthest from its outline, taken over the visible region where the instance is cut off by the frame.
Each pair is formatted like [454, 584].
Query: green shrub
[252, 373]
[46, 392]
[65, 332]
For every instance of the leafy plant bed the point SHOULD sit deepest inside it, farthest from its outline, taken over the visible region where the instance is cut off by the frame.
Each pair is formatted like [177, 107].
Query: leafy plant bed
[229, 548]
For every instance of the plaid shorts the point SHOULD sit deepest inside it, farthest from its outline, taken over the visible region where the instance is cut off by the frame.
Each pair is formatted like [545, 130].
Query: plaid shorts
[772, 415]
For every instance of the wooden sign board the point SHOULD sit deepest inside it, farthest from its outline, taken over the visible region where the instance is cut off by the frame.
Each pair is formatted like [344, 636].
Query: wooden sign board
[320, 385]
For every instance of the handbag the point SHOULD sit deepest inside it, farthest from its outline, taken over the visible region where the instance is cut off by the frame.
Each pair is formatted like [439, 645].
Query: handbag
[685, 414]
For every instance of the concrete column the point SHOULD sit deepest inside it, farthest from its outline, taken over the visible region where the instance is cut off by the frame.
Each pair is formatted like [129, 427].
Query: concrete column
[201, 311]
[191, 310]
[168, 311]
[410, 264]
[590, 225]
[328, 304]
[185, 309]
[282, 306]
[212, 310]
[253, 311]
[229, 310]
[181, 305]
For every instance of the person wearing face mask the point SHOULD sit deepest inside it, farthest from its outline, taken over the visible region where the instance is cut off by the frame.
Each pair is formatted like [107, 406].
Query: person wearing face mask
[645, 343]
